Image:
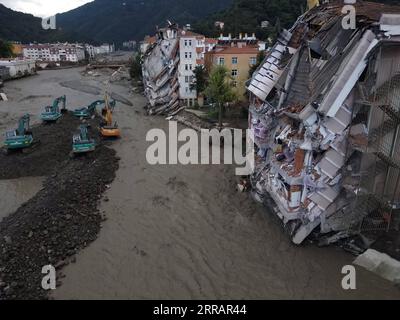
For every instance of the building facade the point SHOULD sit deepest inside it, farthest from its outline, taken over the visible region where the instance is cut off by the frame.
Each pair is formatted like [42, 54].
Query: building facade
[192, 48]
[54, 52]
[325, 113]
[13, 69]
[238, 58]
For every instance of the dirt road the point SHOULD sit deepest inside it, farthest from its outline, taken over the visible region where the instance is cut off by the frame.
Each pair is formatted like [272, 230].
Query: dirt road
[184, 232]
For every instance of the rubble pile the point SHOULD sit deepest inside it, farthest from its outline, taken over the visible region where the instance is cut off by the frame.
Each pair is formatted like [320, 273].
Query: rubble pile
[325, 112]
[160, 72]
[61, 219]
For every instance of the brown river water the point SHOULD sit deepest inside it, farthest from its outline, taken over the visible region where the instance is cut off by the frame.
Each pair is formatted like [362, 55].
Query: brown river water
[184, 232]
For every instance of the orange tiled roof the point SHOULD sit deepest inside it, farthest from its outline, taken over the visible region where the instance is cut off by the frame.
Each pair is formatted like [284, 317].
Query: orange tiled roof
[235, 50]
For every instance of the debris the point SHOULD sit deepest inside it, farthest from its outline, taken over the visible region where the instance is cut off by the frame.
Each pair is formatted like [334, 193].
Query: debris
[381, 264]
[160, 72]
[3, 96]
[316, 109]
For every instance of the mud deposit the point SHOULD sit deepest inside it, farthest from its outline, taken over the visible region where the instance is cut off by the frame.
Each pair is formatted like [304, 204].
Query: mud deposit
[17, 191]
[62, 218]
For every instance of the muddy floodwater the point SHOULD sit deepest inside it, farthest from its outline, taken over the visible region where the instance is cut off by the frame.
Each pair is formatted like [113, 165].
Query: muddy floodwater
[180, 232]
[16, 192]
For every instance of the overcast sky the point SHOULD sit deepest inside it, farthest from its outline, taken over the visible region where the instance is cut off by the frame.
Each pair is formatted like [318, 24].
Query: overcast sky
[43, 8]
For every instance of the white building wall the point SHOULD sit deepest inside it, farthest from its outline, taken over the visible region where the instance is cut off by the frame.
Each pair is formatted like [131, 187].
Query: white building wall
[188, 62]
[19, 68]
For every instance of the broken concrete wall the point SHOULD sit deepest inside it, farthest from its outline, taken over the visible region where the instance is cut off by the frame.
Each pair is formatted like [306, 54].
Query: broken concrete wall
[313, 119]
[160, 72]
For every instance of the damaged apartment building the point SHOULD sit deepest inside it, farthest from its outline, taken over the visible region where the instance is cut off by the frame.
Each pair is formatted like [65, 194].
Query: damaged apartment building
[168, 68]
[160, 72]
[325, 112]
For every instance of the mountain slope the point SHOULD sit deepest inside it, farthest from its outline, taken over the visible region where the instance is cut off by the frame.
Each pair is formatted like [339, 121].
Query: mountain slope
[18, 26]
[247, 15]
[118, 21]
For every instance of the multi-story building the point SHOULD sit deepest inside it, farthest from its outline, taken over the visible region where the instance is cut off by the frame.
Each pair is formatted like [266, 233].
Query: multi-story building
[12, 69]
[192, 48]
[146, 43]
[93, 51]
[129, 45]
[325, 113]
[238, 57]
[54, 52]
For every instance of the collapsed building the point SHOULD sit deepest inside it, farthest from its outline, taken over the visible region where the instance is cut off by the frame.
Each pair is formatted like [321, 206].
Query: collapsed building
[160, 72]
[325, 112]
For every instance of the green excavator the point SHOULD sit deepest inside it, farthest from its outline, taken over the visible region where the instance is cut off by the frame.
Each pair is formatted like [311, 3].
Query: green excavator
[88, 112]
[20, 138]
[53, 113]
[81, 142]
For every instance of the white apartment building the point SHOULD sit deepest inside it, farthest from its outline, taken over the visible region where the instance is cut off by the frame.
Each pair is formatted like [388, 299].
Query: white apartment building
[104, 49]
[192, 48]
[54, 52]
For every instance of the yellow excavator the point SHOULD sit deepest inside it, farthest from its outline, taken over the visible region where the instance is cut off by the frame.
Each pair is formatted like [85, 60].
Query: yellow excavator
[108, 129]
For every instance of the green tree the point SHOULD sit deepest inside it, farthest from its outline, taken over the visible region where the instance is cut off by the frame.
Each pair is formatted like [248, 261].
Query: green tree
[220, 89]
[136, 67]
[5, 49]
[200, 80]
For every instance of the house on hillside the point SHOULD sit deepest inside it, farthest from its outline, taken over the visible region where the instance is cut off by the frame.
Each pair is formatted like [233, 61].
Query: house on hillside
[325, 113]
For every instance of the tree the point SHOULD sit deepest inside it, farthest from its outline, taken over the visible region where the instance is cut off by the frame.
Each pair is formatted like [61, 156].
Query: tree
[200, 80]
[220, 89]
[5, 49]
[136, 67]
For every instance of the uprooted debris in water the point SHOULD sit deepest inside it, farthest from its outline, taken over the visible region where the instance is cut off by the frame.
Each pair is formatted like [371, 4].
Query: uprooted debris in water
[62, 218]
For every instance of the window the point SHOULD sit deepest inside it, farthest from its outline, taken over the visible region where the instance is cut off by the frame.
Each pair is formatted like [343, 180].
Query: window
[187, 79]
[234, 73]
[234, 84]
[188, 55]
[186, 43]
[190, 43]
[234, 60]
[186, 67]
[253, 61]
[190, 67]
[221, 61]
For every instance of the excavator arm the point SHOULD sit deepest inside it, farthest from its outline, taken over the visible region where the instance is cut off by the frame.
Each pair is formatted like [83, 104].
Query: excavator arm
[23, 125]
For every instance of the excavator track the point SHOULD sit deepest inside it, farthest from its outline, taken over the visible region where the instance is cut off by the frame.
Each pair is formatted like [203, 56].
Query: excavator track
[32, 148]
